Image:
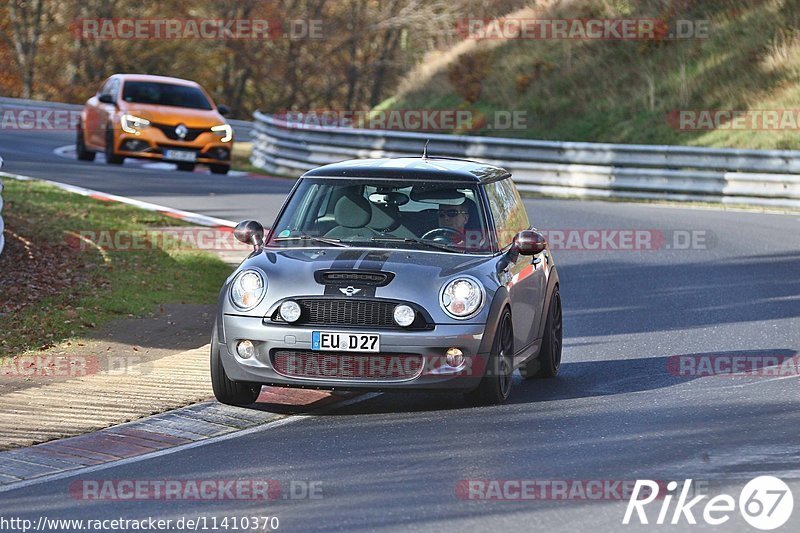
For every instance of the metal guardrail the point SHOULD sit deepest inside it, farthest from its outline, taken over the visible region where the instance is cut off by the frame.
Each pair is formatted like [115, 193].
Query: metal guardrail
[599, 170]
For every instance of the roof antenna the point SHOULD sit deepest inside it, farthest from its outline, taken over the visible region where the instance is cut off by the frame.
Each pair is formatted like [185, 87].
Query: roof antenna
[425, 149]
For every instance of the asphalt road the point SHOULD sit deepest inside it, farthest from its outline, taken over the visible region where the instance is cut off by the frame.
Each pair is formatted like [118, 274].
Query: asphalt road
[618, 410]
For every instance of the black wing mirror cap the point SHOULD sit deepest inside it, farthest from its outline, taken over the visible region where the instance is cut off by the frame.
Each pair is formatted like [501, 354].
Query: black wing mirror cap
[530, 242]
[223, 109]
[249, 232]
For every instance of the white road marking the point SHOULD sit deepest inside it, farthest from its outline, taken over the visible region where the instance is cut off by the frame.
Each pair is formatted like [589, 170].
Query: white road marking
[195, 218]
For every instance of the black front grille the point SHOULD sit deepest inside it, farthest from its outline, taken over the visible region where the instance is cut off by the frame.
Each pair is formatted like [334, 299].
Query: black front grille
[348, 312]
[351, 312]
[347, 277]
[169, 131]
[351, 366]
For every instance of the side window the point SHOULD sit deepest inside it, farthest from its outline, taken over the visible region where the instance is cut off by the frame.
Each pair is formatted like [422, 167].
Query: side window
[507, 209]
[106, 89]
[113, 90]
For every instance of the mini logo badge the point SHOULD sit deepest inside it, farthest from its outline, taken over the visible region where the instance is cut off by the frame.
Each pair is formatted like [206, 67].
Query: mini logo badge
[181, 131]
[349, 291]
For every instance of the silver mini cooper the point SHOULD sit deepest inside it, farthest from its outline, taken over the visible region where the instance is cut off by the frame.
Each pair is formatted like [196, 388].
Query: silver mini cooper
[389, 274]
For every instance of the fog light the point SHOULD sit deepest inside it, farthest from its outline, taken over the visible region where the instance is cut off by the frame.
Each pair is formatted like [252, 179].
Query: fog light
[454, 357]
[290, 311]
[245, 349]
[404, 315]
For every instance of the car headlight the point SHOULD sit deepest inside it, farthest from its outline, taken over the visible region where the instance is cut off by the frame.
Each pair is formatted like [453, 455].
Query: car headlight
[132, 123]
[462, 297]
[225, 130]
[247, 289]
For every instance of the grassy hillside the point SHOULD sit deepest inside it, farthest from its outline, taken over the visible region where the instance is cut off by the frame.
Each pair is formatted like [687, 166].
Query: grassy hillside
[624, 91]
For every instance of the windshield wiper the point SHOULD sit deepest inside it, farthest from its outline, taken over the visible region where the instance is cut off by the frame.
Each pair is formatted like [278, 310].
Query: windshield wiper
[436, 245]
[304, 237]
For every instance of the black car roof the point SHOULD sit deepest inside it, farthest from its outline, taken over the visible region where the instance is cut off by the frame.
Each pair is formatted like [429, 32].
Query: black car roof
[413, 168]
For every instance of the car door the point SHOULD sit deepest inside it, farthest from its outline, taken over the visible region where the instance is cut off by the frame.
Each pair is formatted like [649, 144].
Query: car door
[106, 112]
[524, 275]
[91, 122]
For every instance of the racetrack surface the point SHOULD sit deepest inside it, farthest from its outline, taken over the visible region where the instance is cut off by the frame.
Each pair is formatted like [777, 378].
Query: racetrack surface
[618, 411]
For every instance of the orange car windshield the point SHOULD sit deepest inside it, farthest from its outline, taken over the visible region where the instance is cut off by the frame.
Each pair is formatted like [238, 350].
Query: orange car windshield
[147, 92]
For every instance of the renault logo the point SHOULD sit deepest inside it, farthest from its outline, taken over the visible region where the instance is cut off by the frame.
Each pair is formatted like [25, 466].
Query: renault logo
[181, 131]
[349, 291]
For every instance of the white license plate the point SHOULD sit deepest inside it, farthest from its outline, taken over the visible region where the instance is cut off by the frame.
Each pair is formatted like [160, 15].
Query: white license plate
[180, 155]
[331, 341]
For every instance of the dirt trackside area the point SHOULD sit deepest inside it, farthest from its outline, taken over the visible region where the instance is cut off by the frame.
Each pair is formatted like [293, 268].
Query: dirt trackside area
[93, 336]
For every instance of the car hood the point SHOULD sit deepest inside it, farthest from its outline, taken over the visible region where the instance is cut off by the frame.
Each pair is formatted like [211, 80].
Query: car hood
[418, 276]
[172, 116]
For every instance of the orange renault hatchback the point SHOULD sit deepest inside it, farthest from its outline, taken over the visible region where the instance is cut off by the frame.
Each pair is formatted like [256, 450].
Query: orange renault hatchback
[155, 117]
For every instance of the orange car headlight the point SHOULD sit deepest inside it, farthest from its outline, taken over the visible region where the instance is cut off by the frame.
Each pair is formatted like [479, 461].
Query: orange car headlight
[225, 130]
[132, 124]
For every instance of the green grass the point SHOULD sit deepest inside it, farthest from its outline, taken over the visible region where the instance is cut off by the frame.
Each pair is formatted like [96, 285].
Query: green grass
[123, 284]
[606, 91]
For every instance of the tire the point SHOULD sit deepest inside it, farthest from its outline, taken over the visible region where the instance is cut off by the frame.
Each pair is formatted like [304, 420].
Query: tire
[219, 169]
[495, 386]
[80, 147]
[111, 157]
[549, 361]
[226, 390]
[186, 167]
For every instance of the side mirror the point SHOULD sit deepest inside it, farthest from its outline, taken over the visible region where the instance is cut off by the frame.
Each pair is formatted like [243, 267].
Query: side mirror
[249, 232]
[223, 109]
[530, 242]
[106, 99]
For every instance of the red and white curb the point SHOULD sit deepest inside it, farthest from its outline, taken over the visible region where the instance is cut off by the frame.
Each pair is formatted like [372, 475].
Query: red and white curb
[163, 434]
[188, 216]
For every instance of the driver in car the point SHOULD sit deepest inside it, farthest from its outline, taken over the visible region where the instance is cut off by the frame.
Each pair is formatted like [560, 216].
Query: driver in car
[455, 217]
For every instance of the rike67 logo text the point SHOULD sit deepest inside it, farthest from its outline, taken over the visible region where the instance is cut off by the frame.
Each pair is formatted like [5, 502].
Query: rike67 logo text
[765, 503]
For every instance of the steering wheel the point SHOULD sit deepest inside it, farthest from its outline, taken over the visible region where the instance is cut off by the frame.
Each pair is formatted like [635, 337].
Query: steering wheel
[448, 235]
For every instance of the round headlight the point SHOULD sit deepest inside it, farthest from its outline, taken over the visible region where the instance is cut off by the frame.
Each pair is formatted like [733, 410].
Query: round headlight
[404, 315]
[462, 297]
[290, 311]
[248, 289]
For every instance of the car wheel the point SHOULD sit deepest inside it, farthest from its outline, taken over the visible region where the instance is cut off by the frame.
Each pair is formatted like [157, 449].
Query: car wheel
[226, 390]
[495, 386]
[80, 147]
[111, 157]
[186, 167]
[219, 169]
[549, 360]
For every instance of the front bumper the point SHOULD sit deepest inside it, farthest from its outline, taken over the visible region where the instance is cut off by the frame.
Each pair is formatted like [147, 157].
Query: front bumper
[151, 143]
[429, 345]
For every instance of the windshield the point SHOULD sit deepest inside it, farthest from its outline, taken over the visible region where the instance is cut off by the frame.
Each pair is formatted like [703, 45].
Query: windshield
[147, 92]
[435, 216]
